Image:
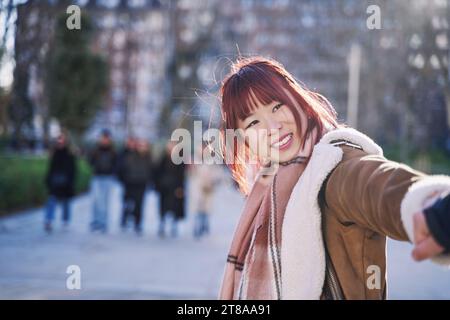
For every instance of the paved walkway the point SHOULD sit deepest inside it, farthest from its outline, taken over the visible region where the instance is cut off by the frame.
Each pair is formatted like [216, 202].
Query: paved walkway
[123, 266]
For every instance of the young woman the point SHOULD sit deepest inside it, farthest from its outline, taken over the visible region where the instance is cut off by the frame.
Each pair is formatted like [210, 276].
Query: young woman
[316, 226]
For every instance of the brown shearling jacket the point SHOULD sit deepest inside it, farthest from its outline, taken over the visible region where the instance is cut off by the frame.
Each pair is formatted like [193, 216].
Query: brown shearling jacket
[360, 203]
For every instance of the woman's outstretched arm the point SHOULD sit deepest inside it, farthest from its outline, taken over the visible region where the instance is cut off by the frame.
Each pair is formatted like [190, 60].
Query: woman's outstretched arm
[378, 194]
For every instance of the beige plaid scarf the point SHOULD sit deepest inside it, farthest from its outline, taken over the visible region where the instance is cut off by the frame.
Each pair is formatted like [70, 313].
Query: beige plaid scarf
[253, 269]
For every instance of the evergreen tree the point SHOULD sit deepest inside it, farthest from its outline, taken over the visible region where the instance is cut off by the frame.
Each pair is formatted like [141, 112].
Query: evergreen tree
[77, 78]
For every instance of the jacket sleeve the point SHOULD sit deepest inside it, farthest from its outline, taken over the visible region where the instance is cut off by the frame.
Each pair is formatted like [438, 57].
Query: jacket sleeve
[120, 164]
[438, 220]
[150, 170]
[380, 195]
[158, 172]
[368, 190]
[72, 170]
[50, 168]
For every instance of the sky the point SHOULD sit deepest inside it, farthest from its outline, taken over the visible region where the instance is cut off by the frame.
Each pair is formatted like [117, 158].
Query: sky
[7, 63]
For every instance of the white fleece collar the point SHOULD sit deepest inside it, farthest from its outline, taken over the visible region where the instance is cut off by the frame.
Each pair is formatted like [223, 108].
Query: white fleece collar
[302, 246]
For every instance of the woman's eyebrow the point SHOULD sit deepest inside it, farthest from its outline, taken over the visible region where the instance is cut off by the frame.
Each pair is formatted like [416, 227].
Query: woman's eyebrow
[275, 104]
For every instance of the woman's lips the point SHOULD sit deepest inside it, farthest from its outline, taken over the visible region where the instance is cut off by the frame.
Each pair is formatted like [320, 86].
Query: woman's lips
[284, 142]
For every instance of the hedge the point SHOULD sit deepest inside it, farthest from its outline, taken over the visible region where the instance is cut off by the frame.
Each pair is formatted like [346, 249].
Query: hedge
[22, 181]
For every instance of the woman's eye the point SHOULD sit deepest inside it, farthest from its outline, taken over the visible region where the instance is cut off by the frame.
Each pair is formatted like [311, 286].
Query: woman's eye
[278, 106]
[251, 124]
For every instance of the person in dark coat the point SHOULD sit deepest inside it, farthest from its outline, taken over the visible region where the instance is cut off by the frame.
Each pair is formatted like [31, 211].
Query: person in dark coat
[60, 181]
[134, 172]
[169, 183]
[104, 163]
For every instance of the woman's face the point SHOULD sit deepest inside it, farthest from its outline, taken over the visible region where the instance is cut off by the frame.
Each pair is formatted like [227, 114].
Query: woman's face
[271, 132]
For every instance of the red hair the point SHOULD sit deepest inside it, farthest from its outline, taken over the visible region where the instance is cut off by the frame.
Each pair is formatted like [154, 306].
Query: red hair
[267, 81]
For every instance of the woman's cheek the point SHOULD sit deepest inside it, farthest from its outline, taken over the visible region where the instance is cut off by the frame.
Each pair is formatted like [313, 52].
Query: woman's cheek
[263, 147]
[258, 143]
[252, 141]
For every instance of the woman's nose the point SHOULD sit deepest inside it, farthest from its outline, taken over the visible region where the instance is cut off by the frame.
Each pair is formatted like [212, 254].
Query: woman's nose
[273, 124]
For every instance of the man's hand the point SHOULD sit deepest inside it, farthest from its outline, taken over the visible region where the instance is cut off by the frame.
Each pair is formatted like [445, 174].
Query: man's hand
[424, 244]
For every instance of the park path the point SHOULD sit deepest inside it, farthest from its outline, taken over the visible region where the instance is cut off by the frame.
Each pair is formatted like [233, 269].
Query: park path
[124, 266]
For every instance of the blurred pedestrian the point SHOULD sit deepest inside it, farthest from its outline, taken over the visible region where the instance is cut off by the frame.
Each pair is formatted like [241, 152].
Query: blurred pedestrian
[103, 161]
[60, 181]
[134, 172]
[169, 182]
[205, 178]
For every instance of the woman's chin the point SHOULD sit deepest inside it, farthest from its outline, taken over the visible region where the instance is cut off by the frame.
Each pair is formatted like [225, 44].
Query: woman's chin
[280, 156]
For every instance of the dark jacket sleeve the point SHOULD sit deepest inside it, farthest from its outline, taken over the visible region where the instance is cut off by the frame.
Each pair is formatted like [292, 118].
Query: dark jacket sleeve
[73, 170]
[367, 190]
[50, 170]
[151, 170]
[91, 157]
[438, 221]
[120, 167]
[158, 172]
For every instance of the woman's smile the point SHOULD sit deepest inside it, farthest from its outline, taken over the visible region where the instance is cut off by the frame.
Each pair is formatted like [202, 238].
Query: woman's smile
[284, 142]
